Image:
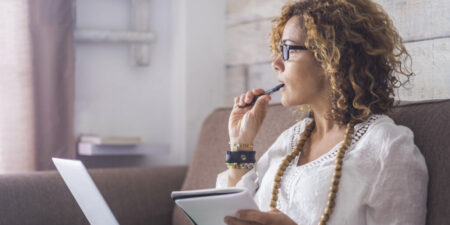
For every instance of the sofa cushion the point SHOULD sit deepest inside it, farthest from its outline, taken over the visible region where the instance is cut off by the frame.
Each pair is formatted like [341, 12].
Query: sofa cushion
[429, 120]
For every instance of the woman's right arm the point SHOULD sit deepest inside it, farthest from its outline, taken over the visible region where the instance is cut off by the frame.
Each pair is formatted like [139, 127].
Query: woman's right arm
[243, 126]
[235, 175]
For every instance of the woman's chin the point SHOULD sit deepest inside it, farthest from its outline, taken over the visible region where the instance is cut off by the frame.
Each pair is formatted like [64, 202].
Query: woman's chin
[284, 102]
[288, 103]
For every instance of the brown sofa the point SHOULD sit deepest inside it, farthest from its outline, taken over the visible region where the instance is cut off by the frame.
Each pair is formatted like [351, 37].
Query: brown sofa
[141, 195]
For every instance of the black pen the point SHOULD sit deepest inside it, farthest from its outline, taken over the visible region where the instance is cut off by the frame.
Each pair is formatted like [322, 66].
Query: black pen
[268, 92]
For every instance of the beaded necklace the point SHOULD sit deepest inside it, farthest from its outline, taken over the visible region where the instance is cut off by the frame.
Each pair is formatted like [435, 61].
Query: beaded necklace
[337, 169]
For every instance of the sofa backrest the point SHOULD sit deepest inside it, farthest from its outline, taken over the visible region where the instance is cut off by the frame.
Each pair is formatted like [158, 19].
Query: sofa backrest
[429, 120]
[136, 196]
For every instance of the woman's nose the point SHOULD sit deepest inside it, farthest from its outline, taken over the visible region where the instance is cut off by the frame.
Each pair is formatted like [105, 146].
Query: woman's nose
[277, 64]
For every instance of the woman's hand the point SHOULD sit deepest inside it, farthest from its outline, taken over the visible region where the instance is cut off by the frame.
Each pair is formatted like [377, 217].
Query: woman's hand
[255, 217]
[244, 123]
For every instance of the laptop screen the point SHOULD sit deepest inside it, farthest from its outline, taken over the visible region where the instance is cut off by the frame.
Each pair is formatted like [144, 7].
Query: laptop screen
[83, 189]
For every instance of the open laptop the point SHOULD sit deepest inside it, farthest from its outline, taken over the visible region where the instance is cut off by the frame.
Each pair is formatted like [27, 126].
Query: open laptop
[85, 192]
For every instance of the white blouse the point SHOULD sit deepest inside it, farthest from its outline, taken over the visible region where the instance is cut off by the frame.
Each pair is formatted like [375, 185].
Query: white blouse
[384, 178]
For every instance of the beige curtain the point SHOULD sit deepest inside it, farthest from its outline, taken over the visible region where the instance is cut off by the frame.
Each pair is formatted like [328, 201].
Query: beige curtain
[36, 83]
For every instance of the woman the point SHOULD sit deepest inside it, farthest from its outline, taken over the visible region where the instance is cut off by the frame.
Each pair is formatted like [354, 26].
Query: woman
[348, 163]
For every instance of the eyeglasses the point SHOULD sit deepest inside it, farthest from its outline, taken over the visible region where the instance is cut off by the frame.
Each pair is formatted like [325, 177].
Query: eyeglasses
[284, 49]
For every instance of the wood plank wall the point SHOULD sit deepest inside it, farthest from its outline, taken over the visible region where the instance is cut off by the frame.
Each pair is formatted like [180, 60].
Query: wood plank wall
[423, 24]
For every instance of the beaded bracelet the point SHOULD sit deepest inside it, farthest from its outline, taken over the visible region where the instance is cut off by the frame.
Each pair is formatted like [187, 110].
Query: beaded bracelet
[247, 166]
[237, 146]
[241, 145]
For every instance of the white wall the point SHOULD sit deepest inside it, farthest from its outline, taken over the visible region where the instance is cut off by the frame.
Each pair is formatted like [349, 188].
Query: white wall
[163, 103]
[205, 63]
[198, 71]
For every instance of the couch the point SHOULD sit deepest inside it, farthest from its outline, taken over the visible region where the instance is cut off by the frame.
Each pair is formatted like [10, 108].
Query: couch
[141, 195]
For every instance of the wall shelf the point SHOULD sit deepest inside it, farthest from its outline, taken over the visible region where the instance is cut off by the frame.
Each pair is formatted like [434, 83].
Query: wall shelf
[88, 149]
[114, 36]
[138, 36]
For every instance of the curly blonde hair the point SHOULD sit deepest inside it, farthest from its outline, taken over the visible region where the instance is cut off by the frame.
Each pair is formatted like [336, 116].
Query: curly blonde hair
[358, 46]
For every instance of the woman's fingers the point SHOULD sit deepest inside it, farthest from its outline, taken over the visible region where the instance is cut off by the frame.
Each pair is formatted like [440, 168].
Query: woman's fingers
[255, 215]
[242, 100]
[258, 91]
[239, 100]
[260, 107]
[251, 94]
[234, 221]
[273, 217]
[247, 97]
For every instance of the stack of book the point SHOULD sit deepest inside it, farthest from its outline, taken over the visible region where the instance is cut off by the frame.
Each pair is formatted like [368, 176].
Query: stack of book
[96, 145]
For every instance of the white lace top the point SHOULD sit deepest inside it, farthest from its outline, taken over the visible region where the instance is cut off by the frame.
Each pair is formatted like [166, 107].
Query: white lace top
[384, 178]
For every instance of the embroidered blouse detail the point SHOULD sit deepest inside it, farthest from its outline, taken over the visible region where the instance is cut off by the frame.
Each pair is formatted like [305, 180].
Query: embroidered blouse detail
[382, 156]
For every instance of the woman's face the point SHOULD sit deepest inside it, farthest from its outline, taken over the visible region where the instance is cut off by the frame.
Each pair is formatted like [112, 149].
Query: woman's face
[304, 78]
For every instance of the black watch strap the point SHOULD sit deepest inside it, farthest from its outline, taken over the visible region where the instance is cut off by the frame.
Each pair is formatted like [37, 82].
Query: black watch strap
[240, 157]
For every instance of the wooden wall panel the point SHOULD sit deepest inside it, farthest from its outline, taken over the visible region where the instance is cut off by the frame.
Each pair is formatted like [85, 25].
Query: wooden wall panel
[245, 11]
[423, 24]
[236, 83]
[248, 43]
[430, 64]
[415, 19]
[432, 68]
[419, 19]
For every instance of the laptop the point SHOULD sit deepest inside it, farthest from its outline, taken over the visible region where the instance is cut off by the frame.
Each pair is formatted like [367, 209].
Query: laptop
[83, 189]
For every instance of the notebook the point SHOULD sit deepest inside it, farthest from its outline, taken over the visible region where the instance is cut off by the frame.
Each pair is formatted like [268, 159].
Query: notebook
[210, 206]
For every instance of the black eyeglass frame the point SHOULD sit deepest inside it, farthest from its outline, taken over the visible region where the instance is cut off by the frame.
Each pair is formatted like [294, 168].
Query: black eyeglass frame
[284, 49]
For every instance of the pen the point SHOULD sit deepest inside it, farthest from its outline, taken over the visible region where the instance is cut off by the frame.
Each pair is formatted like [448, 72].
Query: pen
[268, 92]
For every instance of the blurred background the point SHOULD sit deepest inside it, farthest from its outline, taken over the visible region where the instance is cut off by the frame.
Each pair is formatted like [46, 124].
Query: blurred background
[128, 83]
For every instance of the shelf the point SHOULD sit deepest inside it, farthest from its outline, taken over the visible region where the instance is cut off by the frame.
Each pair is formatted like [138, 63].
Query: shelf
[114, 36]
[88, 149]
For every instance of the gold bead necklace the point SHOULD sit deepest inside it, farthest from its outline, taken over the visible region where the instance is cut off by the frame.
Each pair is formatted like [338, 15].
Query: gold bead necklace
[337, 169]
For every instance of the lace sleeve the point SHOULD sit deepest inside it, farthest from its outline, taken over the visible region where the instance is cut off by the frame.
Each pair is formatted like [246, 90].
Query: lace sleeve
[399, 192]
